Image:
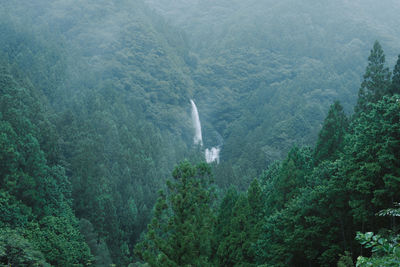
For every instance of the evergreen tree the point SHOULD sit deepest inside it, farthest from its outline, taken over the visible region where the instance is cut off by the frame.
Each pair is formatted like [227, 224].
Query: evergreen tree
[372, 163]
[35, 199]
[376, 79]
[292, 176]
[224, 216]
[331, 136]
[256, 200]
[239, 225]
[98, 248]
[15, 250]
[233, 248]
[180, 231]
[395, 88]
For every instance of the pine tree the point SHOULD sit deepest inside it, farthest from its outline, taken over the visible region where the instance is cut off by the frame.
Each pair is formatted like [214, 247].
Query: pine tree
[376, 79]
[232, 249]
[330, 138]
[292, 176]
[241, 226]
[395, 88]
[224, 216]
[372, 162]
[180, 231]
[35, 199]
[256, 211]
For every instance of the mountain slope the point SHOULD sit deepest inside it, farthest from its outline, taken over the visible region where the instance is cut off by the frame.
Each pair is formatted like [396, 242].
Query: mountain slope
[267, 70]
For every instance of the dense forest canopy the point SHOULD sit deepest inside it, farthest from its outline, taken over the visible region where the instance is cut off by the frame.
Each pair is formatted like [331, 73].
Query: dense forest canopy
[274, 67]
[300, 100]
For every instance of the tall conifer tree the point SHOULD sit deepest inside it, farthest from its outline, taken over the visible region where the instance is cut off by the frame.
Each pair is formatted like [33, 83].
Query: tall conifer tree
[395, 88]
[330, 138]
[376, 79]
[180, 231]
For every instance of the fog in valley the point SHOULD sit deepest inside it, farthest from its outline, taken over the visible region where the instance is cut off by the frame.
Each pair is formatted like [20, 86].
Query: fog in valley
[271, 127]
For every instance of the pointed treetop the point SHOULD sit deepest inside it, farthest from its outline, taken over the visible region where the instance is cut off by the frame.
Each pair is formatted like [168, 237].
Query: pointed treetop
[395, 88]
[331, 136]
[376, 81]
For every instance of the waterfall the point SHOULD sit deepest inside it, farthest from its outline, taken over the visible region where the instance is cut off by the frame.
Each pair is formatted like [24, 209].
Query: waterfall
[212, 154]
[198, 139]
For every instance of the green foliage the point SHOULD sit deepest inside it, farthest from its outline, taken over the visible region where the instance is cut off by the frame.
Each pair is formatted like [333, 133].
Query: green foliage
[15, 250]
[311, 228]
[14, 213]
[330, 138]
[291, 176]
[395, 88]
[34, 196]
[337, 196]
[224, 216]
[238, 227]
[373, 167]
[60, 241]
[376, 81]
[94, 113]
[98, 248]
[345, 260]
[385, 251]
[267, 73]
[113, 107]
[180, 231]
[342, 192]
[393, 212]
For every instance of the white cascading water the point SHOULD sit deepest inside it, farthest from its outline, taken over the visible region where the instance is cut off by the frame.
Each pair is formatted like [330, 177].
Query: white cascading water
[212, 154]
[198, 139]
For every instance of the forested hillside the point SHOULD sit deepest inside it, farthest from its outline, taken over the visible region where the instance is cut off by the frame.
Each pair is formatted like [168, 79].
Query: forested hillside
[111, 84]
[95, 115]
[317, 207]
[270, 69]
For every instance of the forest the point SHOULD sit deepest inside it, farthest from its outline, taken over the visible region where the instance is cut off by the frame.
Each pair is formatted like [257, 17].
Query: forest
[199, 133]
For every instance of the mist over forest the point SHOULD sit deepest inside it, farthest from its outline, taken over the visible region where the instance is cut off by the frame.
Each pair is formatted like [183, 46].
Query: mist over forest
[199, 133]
